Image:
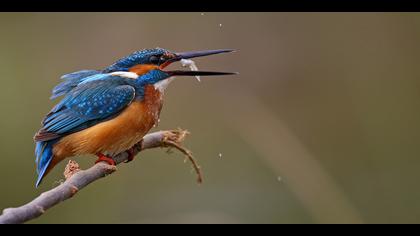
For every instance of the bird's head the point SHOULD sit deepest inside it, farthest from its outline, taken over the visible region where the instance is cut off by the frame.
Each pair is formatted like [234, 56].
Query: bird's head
[149, 64]
[141, 62]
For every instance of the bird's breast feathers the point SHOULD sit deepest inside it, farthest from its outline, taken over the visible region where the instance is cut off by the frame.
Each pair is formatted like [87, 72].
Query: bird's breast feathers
[118, 134]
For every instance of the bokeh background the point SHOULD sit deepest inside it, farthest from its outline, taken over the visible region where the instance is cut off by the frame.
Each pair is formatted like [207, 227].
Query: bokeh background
[321, 125]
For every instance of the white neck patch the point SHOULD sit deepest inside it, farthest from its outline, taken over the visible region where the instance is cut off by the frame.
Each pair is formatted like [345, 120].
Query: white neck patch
[125, 74]
[163, 84]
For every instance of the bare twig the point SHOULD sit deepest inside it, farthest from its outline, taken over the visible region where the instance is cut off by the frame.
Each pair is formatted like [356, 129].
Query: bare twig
[77, 179]
[188, 155]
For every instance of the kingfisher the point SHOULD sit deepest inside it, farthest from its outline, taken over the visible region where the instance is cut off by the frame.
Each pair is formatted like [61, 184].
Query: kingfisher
[106, 112]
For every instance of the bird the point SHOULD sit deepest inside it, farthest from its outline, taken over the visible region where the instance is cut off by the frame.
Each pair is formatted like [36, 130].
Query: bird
[106, 112]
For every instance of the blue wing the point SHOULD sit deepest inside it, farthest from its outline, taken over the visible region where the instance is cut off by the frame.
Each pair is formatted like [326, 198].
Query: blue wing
[71, 81]
[91, 102]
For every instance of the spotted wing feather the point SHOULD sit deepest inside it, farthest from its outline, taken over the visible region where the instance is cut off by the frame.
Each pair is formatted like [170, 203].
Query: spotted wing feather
[86, 105]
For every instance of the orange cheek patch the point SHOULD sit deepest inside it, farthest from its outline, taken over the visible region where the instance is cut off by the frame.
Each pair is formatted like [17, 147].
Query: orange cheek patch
[142, 69]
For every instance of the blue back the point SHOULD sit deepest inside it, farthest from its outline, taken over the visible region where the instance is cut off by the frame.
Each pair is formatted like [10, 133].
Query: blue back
[71, 81]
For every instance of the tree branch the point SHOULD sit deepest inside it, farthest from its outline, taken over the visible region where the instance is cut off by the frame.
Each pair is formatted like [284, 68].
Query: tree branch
[77, 179]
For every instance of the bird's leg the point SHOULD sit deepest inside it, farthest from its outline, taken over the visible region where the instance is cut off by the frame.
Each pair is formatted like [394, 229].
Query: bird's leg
[133, 151]
[131, 155]
[102, 157]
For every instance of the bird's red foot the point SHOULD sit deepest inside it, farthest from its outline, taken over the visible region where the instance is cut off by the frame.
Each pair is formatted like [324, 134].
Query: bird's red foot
[131, 155]
[102, 157]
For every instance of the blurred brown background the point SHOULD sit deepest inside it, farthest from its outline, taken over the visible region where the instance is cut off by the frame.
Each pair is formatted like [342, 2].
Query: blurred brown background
[321, 125]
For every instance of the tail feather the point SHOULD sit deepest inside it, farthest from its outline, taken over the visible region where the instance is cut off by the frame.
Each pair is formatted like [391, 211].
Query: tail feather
[44, 156]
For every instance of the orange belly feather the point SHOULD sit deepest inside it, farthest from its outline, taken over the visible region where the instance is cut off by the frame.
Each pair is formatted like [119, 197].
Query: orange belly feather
[116, 135]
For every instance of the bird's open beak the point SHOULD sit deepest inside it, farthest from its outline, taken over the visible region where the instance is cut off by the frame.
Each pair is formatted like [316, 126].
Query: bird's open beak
[189, 55]
[198, 73]
[193, 54]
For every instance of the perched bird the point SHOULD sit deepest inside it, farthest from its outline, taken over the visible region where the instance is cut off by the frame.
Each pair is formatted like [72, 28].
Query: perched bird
[106, 112]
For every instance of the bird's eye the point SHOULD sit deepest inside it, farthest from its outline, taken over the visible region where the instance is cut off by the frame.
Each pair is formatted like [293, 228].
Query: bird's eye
[154, 59]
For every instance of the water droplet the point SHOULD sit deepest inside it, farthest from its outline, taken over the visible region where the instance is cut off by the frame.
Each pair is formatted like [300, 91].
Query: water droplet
[202, 13]
[220, 25]
[220, 155]
[279, 179]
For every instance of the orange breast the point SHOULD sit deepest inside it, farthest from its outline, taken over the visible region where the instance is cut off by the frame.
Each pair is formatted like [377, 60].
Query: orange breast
[115, 135]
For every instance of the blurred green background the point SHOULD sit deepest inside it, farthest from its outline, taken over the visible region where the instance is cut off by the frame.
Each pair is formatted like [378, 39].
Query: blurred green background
[321, 125]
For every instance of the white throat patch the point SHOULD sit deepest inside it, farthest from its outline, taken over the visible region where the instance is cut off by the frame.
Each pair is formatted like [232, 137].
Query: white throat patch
[163, 84]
